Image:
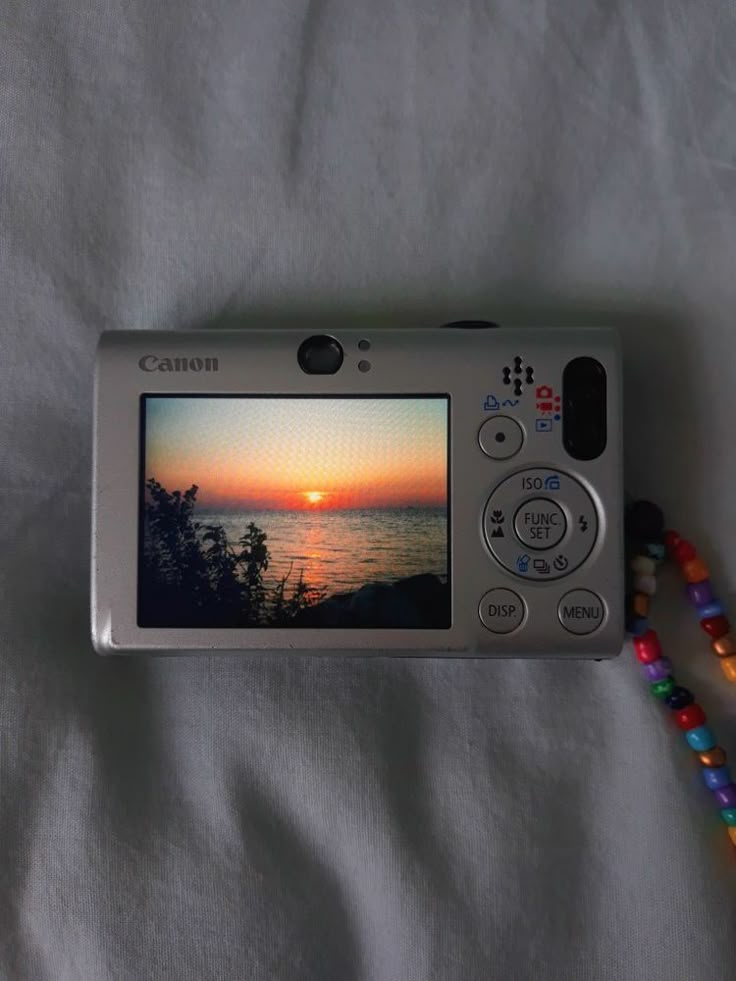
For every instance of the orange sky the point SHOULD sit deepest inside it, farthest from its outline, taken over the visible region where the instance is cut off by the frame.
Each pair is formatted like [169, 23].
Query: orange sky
[271, 453]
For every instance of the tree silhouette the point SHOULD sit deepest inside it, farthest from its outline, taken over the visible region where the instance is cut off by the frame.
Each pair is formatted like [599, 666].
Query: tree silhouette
[192, 575]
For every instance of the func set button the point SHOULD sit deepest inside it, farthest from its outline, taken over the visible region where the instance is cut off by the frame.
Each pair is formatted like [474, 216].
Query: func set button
[540, 523]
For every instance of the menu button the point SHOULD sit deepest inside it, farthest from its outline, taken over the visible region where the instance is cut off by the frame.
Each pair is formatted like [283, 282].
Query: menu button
[581, 611]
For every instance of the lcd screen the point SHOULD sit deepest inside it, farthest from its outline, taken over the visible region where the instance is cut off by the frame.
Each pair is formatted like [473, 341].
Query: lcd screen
[294, 512]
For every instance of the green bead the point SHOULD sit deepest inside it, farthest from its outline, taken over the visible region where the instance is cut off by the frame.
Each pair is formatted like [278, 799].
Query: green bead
[729, 816]
[661, 689]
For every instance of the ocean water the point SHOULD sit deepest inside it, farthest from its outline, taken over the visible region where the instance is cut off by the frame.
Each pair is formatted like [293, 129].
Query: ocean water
[340, 551]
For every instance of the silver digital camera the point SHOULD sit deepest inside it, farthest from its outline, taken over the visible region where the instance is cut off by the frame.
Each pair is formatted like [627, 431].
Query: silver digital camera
[451, 491]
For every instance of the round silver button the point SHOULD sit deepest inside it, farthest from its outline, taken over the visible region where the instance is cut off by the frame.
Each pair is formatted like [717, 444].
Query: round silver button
[500, 437]
[502, 611]
[581, 611]
[540, 523]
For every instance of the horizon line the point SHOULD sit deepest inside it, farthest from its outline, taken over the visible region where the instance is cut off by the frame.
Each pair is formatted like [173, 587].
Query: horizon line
[244, 509]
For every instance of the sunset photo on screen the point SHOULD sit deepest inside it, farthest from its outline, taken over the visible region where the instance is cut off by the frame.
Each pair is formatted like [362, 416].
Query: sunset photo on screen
[294, 512]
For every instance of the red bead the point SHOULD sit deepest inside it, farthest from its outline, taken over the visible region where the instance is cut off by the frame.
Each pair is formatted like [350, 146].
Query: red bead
[683, 551]
[647, 647]
[671, 540]
[715, 627]
[690, 717]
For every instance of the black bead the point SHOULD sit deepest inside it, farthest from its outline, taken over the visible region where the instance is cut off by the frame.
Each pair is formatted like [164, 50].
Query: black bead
[679, 698]
[644, 522]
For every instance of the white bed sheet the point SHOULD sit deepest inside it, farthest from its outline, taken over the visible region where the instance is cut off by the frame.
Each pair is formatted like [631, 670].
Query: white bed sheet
[178, 164]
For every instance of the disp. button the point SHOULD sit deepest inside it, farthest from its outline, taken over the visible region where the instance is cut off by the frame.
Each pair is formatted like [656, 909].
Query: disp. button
[502, 611]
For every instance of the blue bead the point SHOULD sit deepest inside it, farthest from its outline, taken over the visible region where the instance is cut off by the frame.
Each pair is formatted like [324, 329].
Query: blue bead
[716, 776]
[656, 552]
[712, 609]
[679, 698]
[637, 626]
[700, 738]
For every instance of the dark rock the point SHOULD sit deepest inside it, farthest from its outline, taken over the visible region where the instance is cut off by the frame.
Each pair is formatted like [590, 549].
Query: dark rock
[421, 601]
[430, 597]
[382, 605]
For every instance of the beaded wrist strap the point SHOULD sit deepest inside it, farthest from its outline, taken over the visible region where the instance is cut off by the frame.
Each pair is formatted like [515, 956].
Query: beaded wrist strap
[645, 528]
[711, 614]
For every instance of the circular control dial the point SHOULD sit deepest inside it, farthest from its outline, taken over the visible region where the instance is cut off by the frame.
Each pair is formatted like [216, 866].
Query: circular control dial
[540, 524]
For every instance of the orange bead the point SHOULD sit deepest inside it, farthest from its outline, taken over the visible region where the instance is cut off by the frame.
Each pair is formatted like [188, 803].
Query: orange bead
[641, 605]
[713, 757]
[732, 833]
[725, 646]
[695, 570]
[728, 666]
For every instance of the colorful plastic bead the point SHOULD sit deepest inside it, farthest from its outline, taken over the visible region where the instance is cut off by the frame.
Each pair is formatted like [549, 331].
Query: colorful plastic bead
[642, 565]
[713, 757]
[684, 552]
[657, 670]
[726, 796]
[715, 626]
[671, 539]
[647, 647]
[690, 717]
[640, 605]
[716, 777]
[679, 698]
[661, 689]
[701, 738]
[700, 593]
[644, 523]
[637, 626]
[712, 609]
[695, 570]
[645, 584]
[724, 646]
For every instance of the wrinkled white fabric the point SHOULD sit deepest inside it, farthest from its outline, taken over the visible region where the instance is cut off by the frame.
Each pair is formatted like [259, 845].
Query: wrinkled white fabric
[181, 164]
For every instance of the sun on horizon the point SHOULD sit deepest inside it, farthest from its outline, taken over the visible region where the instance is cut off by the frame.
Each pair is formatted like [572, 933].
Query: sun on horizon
[314, 497]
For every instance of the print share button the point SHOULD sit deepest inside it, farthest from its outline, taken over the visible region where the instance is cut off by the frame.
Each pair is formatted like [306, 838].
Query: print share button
[502, 611]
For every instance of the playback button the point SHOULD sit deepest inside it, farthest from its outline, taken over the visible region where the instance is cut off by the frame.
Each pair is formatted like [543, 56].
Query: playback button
[502, 611]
